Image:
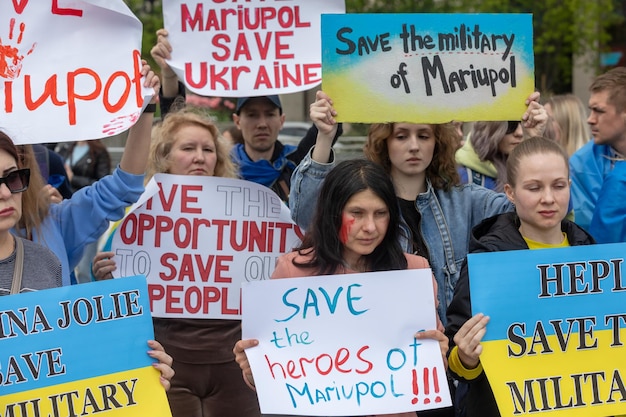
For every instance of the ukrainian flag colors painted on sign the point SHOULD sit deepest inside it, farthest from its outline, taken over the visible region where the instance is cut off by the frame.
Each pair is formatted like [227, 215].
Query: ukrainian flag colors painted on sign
[555, 339]
[79, 350]
[427, 68]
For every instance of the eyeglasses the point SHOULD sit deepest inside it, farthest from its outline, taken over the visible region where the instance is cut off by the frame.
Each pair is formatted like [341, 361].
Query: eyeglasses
[16, 181]
[512, 126]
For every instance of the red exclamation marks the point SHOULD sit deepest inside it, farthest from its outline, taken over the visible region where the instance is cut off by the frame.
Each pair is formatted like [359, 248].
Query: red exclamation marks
[415, 388]
[427, 376]
[426, 386]
[436, 385]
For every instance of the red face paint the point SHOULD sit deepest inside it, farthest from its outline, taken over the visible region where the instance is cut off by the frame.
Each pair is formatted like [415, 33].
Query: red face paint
[346, 224]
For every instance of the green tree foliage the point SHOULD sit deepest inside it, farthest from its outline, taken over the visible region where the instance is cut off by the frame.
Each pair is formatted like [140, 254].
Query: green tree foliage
[562, 28]
[151, 15]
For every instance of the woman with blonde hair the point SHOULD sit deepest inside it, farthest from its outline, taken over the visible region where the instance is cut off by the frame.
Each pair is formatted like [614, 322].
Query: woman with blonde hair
[167, 137]
[208, 380]
[569, 122]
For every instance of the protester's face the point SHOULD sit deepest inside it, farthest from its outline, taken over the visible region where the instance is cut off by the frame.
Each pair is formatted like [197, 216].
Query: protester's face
[193, 152]
[511, 139]
[365, 219]
[10, 204]
[608, 125]
[410, 147]
[541, 194]
[259, 121]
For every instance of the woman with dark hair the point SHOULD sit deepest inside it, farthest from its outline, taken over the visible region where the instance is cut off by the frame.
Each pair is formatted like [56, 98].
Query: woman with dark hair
[355, 229]
[326, 248]
[539, 186]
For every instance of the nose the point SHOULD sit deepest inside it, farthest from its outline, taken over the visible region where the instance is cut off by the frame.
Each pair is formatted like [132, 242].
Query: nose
[369, 224]
[4, 191]
[414, 142]
[263, 120]
[591, 120]
[547, 196]
[198, 156]
[519, 132]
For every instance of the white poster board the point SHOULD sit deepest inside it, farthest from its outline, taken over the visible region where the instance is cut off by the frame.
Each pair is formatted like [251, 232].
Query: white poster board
[343, 345]
[197, 238]
[251, 48]
[69, 70]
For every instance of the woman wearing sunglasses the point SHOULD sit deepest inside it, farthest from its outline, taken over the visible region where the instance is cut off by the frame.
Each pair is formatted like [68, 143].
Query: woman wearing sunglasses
[482, 159]
[39, 267]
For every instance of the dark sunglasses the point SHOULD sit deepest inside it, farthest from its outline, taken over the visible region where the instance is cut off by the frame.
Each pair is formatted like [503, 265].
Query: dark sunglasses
[16, 181]
[512, 126]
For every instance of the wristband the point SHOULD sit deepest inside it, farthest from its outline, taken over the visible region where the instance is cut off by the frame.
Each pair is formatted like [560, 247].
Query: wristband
[150, 108]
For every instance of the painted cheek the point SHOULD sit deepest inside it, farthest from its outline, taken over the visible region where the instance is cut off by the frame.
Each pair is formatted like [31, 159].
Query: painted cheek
[346, 225]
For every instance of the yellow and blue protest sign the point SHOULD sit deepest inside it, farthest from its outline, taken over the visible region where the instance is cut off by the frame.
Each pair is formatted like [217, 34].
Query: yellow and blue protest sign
[555, 340]
[79, 351]
[427, 68]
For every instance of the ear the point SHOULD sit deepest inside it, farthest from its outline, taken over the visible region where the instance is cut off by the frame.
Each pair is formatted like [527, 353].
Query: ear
[508, 190]
[236, 120]
[282, 120]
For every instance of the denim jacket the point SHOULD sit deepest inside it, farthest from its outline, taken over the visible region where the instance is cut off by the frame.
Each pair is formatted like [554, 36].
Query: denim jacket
[447, 219]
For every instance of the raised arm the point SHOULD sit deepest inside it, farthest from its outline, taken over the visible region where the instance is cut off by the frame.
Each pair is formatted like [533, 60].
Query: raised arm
[323, 114]
[535, 119]
[135, 157]
[161, 52]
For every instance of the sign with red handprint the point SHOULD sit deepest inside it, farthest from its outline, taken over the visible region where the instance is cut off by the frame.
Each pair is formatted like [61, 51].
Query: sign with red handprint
[69, 70]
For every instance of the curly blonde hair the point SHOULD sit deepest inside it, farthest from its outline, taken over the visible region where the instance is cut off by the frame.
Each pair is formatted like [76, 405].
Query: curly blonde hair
[441, 172]
[164, 136]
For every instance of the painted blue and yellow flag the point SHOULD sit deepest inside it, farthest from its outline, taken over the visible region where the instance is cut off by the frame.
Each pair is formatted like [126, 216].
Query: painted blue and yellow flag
[79, 351]
[427, 68]
[555, 340]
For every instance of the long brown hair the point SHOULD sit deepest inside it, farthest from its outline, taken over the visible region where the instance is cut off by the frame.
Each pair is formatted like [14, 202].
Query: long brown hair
[441, 172]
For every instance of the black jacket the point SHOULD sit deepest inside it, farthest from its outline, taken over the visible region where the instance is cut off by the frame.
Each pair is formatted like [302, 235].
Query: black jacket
[88, 169]
[495, 234]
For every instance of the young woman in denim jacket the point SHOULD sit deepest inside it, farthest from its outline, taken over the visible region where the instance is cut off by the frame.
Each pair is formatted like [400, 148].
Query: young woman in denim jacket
[438, 213]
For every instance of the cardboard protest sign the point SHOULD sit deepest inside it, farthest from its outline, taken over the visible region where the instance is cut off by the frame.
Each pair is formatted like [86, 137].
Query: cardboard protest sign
[69, 70]
[79, 350]
[197, 238]
[257, 47]
[555, 339]
[427, 68]
[344, 345]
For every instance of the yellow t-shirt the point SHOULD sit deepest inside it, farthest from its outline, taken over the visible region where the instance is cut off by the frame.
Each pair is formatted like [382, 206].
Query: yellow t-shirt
[532, 244]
